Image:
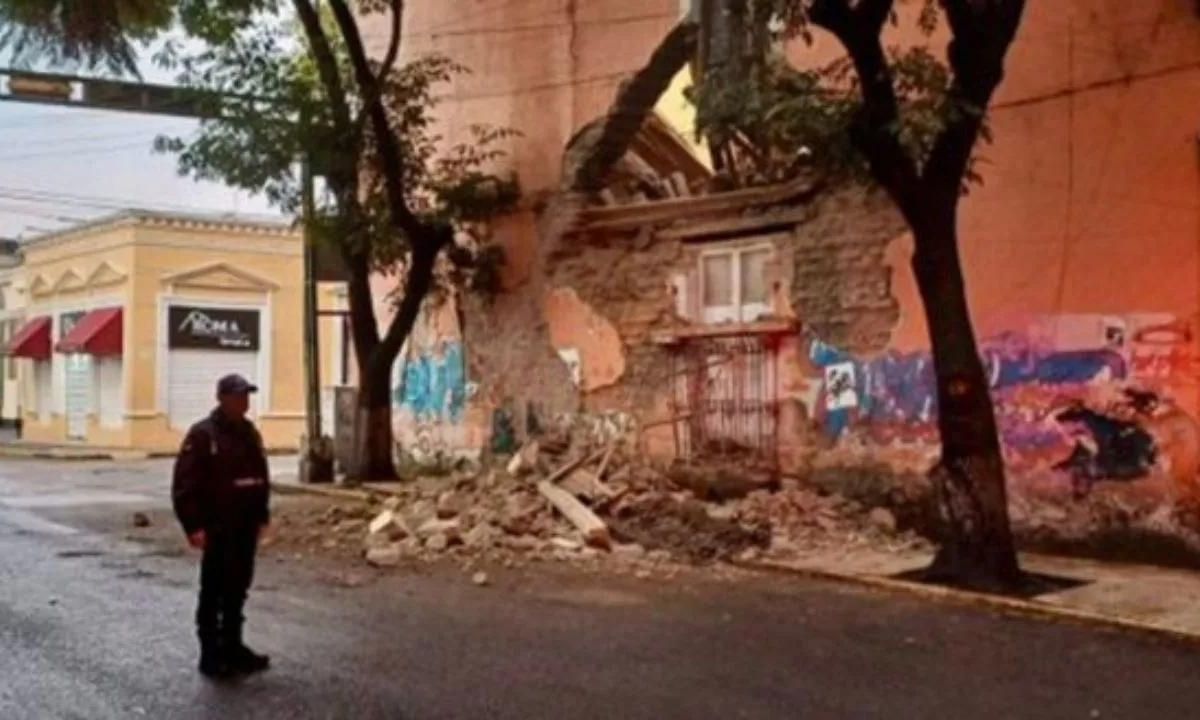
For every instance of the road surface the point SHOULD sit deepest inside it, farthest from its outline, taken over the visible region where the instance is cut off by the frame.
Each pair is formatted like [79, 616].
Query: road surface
[96, 626]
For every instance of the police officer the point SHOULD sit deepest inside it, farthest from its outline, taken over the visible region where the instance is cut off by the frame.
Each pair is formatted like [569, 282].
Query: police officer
[221, 488]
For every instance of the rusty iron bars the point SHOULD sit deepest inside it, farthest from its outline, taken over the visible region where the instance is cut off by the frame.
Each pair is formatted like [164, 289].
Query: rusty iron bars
[724, 398]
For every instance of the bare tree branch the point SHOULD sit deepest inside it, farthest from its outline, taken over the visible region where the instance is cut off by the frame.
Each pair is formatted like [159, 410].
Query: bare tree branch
[388, 152]
[417, 283]
[833, 15]
[982, 33]
[876, 129]
[373, 93]
[635, 99]
[874, 14]
[327, 66]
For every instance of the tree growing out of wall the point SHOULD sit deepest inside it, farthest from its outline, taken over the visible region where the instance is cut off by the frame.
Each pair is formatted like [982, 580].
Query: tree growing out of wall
[285, 79]
[911, 124]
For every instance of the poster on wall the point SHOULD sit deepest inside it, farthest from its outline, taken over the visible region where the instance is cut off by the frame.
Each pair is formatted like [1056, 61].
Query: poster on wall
[203, 328]
[839, 387]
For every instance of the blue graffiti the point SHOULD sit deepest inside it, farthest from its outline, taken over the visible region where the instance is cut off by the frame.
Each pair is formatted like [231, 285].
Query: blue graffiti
[433, 386]
[1017, 364]
[896, 387]
[901, 387]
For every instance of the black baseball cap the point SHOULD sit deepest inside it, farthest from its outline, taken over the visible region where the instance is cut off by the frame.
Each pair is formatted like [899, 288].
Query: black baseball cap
[235, 385]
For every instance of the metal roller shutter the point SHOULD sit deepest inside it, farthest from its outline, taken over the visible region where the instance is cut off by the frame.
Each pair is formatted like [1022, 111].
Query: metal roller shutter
[192, 381]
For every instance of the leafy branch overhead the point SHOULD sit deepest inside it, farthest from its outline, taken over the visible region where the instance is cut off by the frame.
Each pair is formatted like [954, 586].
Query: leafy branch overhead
[782, 120]
[272, 107]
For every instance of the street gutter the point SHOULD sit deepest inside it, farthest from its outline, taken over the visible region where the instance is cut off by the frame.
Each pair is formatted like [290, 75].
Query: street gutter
[1000, 603]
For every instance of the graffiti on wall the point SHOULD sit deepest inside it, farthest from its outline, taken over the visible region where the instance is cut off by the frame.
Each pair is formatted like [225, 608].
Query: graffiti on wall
[1087, 398]
[433, 384]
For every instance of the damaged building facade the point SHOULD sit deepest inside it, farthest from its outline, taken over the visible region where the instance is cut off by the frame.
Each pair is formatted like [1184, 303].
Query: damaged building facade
[783, 323]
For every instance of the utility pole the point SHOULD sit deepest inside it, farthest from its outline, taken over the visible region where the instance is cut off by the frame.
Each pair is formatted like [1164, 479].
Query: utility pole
[316, 462]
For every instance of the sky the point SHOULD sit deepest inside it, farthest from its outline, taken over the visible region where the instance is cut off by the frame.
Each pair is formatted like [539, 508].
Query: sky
[60, 166]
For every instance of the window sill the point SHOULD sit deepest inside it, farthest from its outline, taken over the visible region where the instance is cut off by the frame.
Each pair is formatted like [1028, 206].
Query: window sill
[759, 327]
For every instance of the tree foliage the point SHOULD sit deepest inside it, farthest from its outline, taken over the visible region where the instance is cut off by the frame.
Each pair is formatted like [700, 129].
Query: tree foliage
[106, 34]
[258, 76]
[783, 120]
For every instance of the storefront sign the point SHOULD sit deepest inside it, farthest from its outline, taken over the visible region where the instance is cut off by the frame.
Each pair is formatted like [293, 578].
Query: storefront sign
[212, 328]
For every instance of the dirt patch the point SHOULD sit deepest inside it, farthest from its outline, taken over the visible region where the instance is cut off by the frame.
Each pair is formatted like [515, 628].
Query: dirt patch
[685, 529]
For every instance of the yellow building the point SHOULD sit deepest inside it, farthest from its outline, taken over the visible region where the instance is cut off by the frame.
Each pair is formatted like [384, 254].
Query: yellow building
[130, 321]
[12, 316]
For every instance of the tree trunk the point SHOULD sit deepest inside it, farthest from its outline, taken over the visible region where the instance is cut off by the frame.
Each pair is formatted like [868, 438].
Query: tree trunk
[977, 548]
[373, 436]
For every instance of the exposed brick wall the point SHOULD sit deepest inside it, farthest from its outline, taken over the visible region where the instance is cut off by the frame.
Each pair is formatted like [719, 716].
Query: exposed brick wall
[841, 283]
[831, 268]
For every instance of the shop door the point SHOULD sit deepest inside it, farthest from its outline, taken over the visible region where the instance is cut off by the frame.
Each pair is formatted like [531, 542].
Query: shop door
[192, 382]
[78, 394]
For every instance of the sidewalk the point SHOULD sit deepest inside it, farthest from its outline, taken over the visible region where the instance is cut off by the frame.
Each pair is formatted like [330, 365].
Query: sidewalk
[1136, 597]
[21, 449]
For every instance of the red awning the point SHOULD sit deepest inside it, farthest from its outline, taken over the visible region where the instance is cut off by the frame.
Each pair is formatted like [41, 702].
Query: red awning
[97, 333]
[32, 340]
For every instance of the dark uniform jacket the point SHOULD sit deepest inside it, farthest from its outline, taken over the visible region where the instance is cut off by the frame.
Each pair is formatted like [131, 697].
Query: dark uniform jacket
[221, 480]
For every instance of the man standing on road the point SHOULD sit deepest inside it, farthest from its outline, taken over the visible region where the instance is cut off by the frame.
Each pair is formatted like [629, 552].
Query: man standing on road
[221, 489]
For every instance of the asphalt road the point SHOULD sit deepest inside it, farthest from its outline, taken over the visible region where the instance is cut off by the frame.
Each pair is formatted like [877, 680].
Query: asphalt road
[94, 626]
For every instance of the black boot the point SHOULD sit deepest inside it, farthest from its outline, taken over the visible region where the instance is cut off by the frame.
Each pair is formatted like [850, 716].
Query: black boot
[242, 659]
[212, 660]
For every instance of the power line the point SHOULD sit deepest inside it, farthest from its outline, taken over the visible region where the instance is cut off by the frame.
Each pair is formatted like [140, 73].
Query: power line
[82, 139]
[7, 209]
[82, 151]
[532, 27]
[70, 200]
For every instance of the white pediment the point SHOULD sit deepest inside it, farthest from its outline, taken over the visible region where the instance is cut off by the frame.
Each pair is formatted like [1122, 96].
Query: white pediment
[220, 276]
[69, 280]
[106, 274]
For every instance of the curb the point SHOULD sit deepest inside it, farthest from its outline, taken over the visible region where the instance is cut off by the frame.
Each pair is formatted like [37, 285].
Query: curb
[968, 598]
[35, 452]
[337, 493]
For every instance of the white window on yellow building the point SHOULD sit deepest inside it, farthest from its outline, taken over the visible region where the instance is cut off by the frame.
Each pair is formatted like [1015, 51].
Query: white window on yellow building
[42, 389]
[109, 395]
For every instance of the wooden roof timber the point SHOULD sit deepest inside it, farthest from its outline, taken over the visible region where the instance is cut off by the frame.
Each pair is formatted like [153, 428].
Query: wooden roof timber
[698, 209]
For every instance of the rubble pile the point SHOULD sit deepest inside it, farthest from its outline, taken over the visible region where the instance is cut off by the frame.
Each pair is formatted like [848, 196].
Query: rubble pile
[562, 498]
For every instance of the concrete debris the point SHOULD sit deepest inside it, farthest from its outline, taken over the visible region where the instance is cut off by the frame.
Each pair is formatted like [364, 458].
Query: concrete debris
[525, 460]
[385, 556]
[593, 529]
[579, 497]
[437, 542]
[566, 543]
[434, 526]
[480, 578]
[883, 519]
[481, 537]
[141, 520]
[450, 504]
[586, 486]
[381, 521]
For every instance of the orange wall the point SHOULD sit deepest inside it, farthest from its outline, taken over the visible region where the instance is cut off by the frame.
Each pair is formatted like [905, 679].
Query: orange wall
[1091, 188]
[543, 67]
